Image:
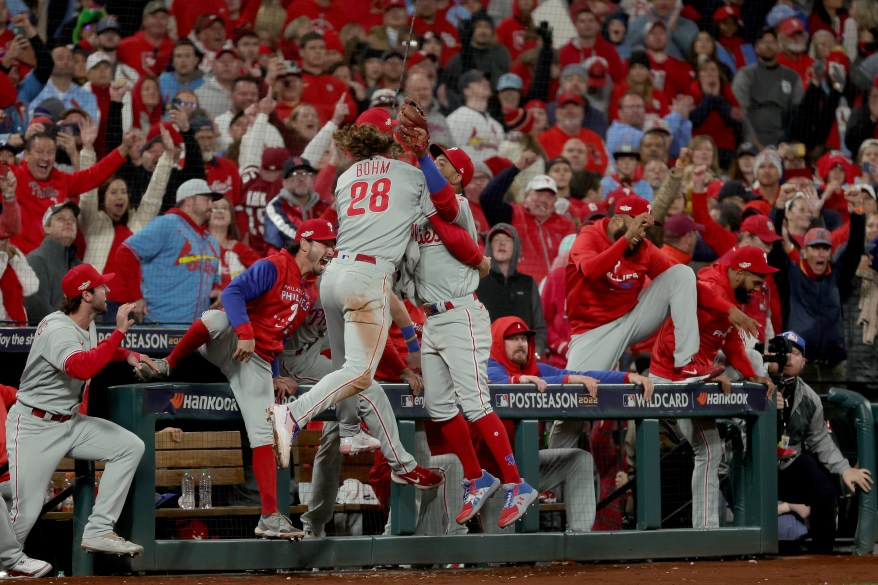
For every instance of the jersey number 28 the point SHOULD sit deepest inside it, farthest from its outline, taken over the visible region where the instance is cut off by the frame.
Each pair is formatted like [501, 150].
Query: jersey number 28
[378, 193]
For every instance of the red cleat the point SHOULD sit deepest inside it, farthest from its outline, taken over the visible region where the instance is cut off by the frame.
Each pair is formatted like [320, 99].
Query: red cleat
[420, 477]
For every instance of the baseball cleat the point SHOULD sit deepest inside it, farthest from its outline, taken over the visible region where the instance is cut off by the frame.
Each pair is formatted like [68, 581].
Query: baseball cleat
[519, 497]
[475, 494]
[28, 567]
[277, 526]
[360, 442]
[144, 373]
[701, 373]
[285, 432]
[112, 544]
[420, 477]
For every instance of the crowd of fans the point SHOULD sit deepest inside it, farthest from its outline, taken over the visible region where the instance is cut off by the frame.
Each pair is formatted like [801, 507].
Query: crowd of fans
[743, 124]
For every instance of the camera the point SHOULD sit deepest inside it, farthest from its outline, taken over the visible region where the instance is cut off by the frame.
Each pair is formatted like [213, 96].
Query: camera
[777, 351]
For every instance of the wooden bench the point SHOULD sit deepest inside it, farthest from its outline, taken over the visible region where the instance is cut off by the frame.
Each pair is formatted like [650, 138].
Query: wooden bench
[220, 452]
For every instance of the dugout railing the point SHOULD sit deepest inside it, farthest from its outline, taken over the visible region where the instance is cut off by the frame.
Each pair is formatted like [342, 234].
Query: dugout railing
[141, 408]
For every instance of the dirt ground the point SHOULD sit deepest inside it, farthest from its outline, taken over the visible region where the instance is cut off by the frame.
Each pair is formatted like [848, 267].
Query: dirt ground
[802, 570]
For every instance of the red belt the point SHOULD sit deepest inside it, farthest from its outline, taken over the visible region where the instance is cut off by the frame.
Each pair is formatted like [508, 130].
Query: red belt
[431, 309]
[364, 258]
[48, 416]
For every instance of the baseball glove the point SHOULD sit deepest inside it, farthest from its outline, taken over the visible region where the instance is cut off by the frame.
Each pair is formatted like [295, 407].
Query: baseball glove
[413, 129]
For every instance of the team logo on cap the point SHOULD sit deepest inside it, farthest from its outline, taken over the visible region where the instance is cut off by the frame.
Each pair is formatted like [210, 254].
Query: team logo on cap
[308, 234]
[744, 265]
[84, 286]
[625, 207]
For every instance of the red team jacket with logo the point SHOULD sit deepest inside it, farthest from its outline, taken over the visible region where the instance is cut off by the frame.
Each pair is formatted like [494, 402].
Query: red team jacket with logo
[148, 60]
[268, 302]
[35, 196]
[715, 298]
[603, 283]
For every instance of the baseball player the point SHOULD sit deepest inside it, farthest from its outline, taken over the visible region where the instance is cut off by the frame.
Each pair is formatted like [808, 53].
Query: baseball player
[378, 198]
[457, 343]
[45, 425]
[262, 307]
[608, 305]
[12, 557]
[723, 289]
[304, 362]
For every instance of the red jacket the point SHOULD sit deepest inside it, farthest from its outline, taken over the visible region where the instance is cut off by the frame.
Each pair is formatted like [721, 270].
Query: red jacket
[539, 241]
[714, 125]
[323, 92]
[574, 53]
[149, 61]
[603, 283]
[35, 197]
[715, 299]
[764, 302]
[512, 32]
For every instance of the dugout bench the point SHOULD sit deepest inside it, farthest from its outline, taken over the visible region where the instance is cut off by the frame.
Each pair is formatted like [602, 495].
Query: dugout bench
[140, 407]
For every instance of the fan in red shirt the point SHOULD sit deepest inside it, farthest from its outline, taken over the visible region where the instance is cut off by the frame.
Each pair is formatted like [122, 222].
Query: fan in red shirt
[670, 75]
[149, 51]
[588, 43]
[427, 20]
[517, 33]
[722, 287]
[320, 89]
[793, 41]
[41, 185]
[569, 115]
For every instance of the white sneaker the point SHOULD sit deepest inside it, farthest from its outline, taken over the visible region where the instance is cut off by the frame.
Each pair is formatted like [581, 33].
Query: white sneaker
[360, 442]
[28, 567]
[112, 544]
[285, 432]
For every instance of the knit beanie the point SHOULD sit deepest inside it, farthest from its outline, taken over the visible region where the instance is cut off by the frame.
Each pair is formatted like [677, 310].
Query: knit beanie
[769, 155]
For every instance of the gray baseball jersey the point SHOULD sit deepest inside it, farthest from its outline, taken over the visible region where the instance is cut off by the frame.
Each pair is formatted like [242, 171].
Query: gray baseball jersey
[455, 279]
[374, 213]
[57, 338]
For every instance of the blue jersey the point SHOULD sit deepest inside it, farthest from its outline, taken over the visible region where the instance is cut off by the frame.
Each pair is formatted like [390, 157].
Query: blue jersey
[179, 264]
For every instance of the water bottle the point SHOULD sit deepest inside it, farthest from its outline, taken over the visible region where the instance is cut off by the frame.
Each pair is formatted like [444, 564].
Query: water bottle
[50, 492]
[67, 504]
[187, 487]
[205, 490]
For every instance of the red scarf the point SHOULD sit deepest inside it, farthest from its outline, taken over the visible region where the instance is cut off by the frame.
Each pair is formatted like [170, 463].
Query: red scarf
[138, 109]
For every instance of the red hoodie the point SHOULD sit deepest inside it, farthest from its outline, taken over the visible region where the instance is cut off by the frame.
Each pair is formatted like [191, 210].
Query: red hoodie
[715, 299]
[554, 300]
[498, 349]
[603, 283]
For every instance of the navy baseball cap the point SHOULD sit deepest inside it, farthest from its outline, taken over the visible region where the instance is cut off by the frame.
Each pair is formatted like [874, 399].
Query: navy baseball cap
[795, 339]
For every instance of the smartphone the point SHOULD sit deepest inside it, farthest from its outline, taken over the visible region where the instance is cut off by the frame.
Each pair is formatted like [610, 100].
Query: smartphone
[72, 129]
[18, 31]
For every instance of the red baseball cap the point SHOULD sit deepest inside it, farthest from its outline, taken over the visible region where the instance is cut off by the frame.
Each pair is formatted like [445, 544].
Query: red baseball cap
[463, 164]
[568, 97]
[760, 226]
[388, 4]
[378, 117]
[681, 224]
[82, 278]
[818, 237]
[751, 259]
[207, 21]
[791, 26]
[273, 159]
[517, 328]
[632, 206]
[316, 229]
[617, 194]
[727, 11]
[598, 70]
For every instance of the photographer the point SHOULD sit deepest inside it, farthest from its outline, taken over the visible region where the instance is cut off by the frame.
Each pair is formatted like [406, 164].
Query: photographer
[806, 453]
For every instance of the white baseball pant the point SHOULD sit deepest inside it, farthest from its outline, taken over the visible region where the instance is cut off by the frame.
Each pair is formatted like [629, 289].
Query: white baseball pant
[601, 348]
